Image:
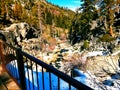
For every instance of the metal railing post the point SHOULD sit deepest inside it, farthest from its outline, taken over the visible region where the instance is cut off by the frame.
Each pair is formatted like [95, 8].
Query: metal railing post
[21, 70]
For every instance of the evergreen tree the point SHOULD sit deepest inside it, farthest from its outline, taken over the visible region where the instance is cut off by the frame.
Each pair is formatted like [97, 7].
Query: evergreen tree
[107, 12]
[49, 17]
[81, 23]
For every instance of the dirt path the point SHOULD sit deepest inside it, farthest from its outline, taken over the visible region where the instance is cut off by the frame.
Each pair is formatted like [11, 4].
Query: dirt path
[7, 81]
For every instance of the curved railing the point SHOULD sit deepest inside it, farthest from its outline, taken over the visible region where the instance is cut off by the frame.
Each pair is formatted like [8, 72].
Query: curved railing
[33, 74]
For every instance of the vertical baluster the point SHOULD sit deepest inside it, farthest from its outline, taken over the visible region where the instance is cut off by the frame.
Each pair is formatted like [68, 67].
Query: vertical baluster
[28, 73]
[8, 50]
[32, 74]
[15, 72]
[69, 87]
[21, 69]
[37, 76]
[11, 65]
[50, 81]
[16, 65]
[14, 62]
[43, 78]
[58, 83]
[12, 68]
[71, 74]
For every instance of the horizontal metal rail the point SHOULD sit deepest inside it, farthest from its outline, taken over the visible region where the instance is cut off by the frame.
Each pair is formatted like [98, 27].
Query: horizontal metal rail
[58, 73]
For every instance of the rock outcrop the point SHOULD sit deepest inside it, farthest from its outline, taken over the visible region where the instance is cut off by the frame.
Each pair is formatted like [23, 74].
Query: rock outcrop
[17, 32]
[102, 66]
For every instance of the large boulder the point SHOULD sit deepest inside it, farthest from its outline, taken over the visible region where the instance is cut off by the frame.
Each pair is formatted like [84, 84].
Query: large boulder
[18, 32]
[102, 66]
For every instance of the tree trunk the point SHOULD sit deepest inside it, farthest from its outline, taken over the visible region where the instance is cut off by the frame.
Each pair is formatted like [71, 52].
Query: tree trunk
[105, 24]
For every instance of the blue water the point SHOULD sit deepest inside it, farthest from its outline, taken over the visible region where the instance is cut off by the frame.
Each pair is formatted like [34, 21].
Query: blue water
[39, 84]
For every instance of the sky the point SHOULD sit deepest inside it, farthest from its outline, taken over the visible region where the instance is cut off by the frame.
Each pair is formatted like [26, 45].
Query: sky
[71, 4]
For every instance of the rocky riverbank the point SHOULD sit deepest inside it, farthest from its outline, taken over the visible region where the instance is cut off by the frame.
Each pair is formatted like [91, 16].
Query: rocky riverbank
[101, 59]
[101, 69]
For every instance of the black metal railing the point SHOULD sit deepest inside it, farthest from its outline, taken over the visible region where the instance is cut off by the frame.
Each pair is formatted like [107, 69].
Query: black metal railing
[33, 74]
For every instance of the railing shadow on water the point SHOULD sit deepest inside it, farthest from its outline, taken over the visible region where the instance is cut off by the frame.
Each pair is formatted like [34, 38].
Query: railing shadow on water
[33, 74]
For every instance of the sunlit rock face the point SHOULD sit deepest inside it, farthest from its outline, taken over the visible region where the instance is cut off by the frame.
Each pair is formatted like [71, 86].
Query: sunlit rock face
[102, 66]
[17, 32]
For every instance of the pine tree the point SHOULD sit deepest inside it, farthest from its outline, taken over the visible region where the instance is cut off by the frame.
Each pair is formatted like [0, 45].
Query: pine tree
[81, 23]
[108, 9]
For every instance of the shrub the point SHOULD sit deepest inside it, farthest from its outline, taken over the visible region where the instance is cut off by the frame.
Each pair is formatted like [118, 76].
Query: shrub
[85, 45]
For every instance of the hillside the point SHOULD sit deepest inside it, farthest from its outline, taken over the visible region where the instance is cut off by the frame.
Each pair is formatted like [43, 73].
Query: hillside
[34, 12]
